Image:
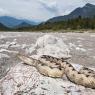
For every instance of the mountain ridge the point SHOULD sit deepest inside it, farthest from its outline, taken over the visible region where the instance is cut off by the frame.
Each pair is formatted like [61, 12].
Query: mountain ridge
[12, 22]
[86, 11]
[3, 27]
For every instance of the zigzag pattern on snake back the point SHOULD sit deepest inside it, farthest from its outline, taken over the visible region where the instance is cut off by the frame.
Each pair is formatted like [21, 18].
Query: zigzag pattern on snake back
[87, 71]
[50, 69]
[84, 77]
[56, 67]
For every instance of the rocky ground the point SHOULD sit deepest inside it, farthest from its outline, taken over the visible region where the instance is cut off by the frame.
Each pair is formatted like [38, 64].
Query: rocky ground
[19, 79]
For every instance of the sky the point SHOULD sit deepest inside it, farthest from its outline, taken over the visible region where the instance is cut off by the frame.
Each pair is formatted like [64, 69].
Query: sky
[39, 9]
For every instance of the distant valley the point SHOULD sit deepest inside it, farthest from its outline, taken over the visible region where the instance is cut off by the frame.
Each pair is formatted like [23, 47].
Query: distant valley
[80, 18]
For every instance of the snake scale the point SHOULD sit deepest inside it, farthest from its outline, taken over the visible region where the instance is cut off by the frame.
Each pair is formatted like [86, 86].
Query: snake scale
[57, 67]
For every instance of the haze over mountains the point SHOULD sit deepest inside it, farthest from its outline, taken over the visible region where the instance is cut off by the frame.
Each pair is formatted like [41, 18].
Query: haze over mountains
[2, 27]
[11, 22]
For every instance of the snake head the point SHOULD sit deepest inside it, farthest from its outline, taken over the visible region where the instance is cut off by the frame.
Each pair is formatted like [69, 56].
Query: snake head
[27, 60]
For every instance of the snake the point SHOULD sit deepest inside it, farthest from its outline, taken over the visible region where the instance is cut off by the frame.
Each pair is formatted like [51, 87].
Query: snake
[57, 67]
[50, 69]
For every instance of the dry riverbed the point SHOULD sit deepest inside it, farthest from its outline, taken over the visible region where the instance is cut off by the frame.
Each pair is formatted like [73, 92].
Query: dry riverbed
[81, 48]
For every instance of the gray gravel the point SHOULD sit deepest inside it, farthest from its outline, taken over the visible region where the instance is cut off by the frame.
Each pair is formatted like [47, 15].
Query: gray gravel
[82, 47]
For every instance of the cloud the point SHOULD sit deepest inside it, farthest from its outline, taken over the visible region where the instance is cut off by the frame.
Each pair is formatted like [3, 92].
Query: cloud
[3, 11]
[50, 6]
[40, 9]
[90, 1]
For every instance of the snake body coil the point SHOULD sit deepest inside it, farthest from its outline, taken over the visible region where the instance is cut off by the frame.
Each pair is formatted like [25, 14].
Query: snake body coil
[50, 69]
[56, 67]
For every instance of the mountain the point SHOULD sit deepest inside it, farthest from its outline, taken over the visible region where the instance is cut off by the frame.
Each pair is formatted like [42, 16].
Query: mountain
[23, 24]
[13, 22]
[2, 27]
[86, 11]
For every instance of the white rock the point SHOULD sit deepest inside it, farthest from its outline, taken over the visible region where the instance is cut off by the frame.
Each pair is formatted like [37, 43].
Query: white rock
[81, 49]
[71, 45]
[30, 49]
[9, 51]
[26, 80]
[92, 35]
[51, 45]
[4, 55]
[2, 36]
[23, 46]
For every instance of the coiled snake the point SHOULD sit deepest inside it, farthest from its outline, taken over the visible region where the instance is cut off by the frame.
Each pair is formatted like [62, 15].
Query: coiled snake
[57, 67]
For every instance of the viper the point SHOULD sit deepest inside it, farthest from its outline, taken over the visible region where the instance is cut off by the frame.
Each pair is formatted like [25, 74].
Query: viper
[57, 67]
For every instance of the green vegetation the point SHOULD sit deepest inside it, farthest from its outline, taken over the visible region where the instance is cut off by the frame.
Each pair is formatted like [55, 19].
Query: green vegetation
[71, 24]
[3, 28]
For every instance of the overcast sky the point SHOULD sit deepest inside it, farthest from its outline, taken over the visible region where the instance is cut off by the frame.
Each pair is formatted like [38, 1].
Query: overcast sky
[39, 9]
